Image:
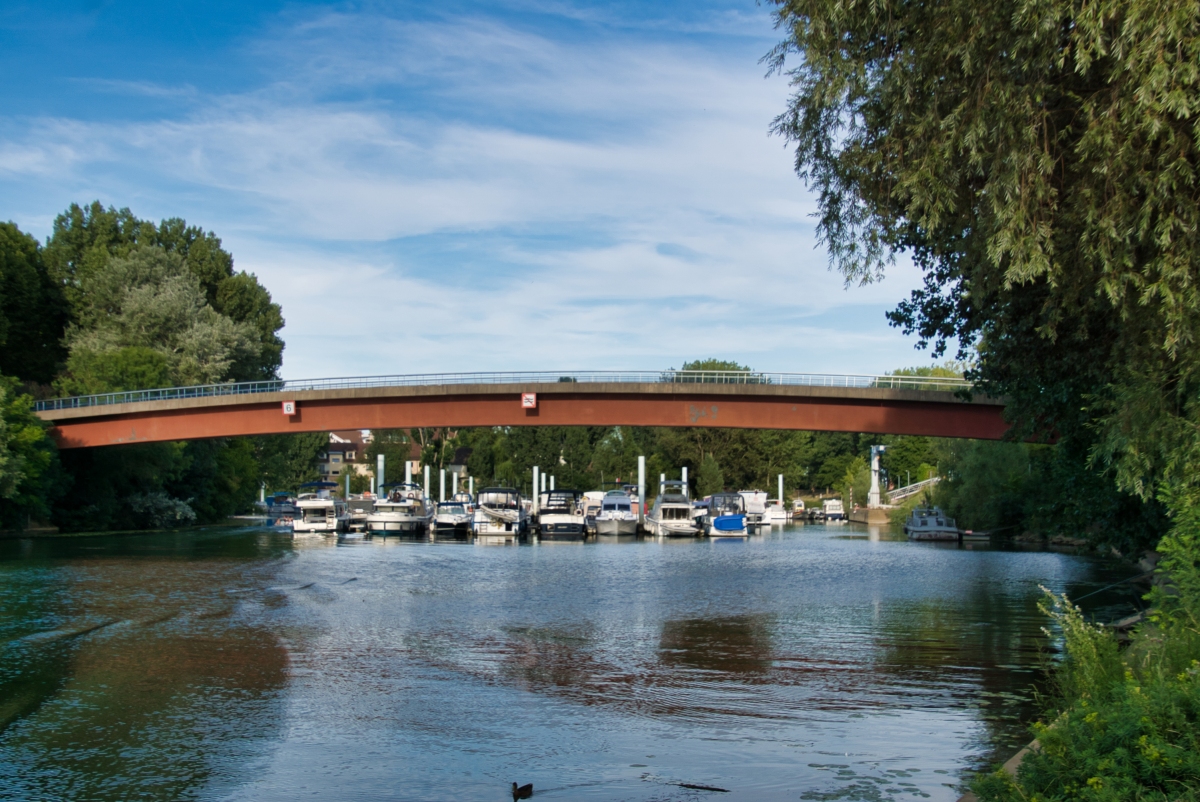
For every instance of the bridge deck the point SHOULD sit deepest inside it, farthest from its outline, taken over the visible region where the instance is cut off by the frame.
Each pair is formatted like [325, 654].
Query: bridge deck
[596, 403]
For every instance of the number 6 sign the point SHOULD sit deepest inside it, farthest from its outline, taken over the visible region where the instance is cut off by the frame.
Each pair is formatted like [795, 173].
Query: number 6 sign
[289, 407]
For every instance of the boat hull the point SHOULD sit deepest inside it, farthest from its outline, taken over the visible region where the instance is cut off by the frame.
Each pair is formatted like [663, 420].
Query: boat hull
[616, 526]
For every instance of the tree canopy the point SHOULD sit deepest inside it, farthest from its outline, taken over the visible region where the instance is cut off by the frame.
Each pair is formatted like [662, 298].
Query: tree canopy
[1039, 163]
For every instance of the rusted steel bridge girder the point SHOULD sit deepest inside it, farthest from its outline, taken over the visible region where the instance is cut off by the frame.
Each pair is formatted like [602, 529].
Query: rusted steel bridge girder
[737, 406]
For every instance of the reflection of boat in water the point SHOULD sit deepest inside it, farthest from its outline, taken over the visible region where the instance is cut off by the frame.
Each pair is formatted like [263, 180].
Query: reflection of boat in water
[833, 510]
[930, 524]
[500, 513]
[672, 513]
[318, 513]
[616, 515]
[726, 515]
[404, 510]
[453, 518]
[560, 516]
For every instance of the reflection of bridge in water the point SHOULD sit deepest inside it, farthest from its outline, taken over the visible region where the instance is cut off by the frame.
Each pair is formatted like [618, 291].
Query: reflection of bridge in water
[722, 399]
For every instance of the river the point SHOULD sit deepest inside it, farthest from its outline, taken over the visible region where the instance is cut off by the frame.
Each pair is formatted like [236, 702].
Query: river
[811, 663]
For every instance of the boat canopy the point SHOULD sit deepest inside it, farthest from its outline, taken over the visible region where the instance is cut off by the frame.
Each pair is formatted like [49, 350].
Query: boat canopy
[560, 501]
[500, 497]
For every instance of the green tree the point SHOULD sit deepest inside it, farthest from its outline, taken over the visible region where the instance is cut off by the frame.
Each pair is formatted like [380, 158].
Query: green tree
[149, 301]
[288, 460]
[32, 310]
[30, 476]
[86, 239]
[709, 478]
[1039, 163]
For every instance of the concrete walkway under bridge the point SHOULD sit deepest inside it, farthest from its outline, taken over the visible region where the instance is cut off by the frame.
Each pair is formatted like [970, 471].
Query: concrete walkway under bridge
[726, 399]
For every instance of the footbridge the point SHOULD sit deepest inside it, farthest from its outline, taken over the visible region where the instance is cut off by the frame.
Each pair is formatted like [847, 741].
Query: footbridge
[912, 405]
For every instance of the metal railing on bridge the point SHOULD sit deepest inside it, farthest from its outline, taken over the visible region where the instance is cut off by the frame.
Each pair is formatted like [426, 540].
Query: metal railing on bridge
[908, 491]
[521, 377]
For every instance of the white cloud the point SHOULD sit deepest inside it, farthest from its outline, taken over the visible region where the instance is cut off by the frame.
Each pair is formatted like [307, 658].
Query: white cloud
[599, 202]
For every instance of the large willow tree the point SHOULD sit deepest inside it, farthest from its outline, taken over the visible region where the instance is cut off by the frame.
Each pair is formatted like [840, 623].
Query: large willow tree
[1038, 160]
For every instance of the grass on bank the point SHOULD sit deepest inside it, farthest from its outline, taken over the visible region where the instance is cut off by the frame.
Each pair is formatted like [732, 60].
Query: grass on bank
[1125, 721]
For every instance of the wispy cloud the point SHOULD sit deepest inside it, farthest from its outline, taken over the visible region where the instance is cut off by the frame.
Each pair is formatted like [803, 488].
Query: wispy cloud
[427, 194]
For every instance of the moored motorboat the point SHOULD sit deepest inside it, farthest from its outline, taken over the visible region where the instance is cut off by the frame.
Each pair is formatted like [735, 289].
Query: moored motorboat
[404, 510]
[756, 506]
[930, 523]
[317, 512]
[500, 513]
[726, 515]
[832, 510]
[616, 515]
[672, 514]
[775, 514]
[453, 519]
[560, 516]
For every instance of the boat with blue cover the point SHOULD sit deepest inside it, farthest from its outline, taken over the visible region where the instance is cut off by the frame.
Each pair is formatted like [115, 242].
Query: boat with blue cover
[726, 516]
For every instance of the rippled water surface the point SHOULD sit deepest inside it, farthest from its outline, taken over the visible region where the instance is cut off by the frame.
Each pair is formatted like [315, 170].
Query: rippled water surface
[812, 663]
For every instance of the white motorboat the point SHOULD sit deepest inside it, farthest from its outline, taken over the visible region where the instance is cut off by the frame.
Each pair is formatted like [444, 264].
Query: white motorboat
[453, 518]
[560, 516]
[616, 516]
[672, 514]
[775, 514]
[833, 510]
[756, 506]
[726, 515]
[318, 513]
[591, 503]
[404, 510]
[798, 511]
[499, 512]
[930, 523]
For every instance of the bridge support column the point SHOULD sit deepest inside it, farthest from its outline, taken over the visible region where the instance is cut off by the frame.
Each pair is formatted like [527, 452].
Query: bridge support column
[641, 491]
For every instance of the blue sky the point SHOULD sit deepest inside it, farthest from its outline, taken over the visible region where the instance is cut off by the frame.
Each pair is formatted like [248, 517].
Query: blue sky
[453, 186]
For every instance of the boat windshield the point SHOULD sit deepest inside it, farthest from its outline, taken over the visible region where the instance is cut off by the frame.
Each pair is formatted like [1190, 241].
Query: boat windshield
[727, 504]
[560, 501]
[452, 508]
[617, 504]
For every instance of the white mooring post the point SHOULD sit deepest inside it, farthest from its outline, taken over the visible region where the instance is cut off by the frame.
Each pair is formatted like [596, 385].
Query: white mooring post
[534, 505]
[662, 482]
[454, 484]
[262, 493]
[428, 485]
[347, 485]
[372, 485]
[641, 491]
[552, 481]
[781, 490]
[407, 472]
[471, 486]
[379, 480]
[543, 483]
[685, 476]
[442, 485]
